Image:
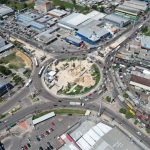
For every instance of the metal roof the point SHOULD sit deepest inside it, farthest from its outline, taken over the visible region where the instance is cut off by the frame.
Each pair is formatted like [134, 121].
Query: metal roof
[93, 33]
[4, 10]
[43, 118]
[74, 19]
[145, 42]
[96, 15]
[57, 12]
[116, 18]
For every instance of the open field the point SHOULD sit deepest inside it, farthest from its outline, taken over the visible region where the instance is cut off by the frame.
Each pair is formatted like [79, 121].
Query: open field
[16, 60]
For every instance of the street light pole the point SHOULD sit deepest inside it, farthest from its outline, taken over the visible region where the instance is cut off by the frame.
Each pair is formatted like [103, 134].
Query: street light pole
[100, 106]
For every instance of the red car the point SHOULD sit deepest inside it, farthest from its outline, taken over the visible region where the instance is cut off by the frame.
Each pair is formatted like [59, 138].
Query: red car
[25, 147]
[53, 123]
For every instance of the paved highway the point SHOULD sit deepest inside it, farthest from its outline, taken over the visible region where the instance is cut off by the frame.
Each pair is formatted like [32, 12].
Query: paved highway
[44, 106]
[38, 85]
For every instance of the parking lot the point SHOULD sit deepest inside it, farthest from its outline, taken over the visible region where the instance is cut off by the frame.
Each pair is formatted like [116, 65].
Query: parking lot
[44, 135]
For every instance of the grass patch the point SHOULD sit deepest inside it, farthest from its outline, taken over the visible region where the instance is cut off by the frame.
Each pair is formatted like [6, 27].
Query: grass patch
[3, 115]
[13, 61]
[61, 112]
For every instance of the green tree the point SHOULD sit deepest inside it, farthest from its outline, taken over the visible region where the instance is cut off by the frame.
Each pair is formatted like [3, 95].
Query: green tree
[125, 95]
[5, 70]
[129, 115]
[123, 110]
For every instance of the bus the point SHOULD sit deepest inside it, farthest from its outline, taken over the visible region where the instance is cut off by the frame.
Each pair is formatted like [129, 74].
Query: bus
[76, 103]
[41, 71]
[36, 62]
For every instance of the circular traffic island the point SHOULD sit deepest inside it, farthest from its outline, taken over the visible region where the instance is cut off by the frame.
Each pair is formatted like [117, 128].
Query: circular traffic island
[71, 77]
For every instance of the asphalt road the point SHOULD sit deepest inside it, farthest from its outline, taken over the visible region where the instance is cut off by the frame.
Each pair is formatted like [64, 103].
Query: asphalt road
[37, 84]
[44, 106]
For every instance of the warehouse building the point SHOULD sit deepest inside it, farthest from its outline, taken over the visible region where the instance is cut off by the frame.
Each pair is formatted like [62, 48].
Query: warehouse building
[93, 34]
[5, 86]
[128, 10]
[117, 20]
[74, 40]
[47, 37]
[91, 136]
[72, 21]
[145, 42]
[95, 15]
[5, 10]
[57, 13]
[28, 19]
[141, 5]
[4, 46]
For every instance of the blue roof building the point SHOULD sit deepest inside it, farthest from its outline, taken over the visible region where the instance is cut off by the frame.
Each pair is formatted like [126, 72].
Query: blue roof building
[4, 86]
[93, 35]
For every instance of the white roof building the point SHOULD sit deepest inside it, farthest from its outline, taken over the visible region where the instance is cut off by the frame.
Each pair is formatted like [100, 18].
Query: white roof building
[95, 15]
[73, 20]
[5, 10]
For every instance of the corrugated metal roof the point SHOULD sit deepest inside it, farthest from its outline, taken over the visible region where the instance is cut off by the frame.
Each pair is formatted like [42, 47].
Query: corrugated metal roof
[116, 18]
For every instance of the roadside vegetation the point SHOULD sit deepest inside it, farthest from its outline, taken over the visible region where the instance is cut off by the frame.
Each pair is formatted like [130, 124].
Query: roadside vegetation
[61, 112]
[146, 30]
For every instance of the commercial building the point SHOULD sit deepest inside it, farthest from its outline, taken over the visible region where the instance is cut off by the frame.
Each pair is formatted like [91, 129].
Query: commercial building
[93, 34]
[43, 5]
[5, 10]
[117, 20]
[74, 40]
[4, 45]
[5, 86]
[91, 136]
[140, 77]
[145, 42]
[57, 13]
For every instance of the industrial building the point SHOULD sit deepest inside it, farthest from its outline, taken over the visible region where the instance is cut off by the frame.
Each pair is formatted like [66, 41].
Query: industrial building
[128, 10]
[95, 15]
[57, 13]
[47, 37]
[4, 45]
[72, 21]
[140, 77]
[5, 10]
[74, 40]
[43, 5]
[93, 34]
[91, 136]
[145, 42]
[117, 20]
[28, 19]
[141, 5]
[44, 19]
[5, 86]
